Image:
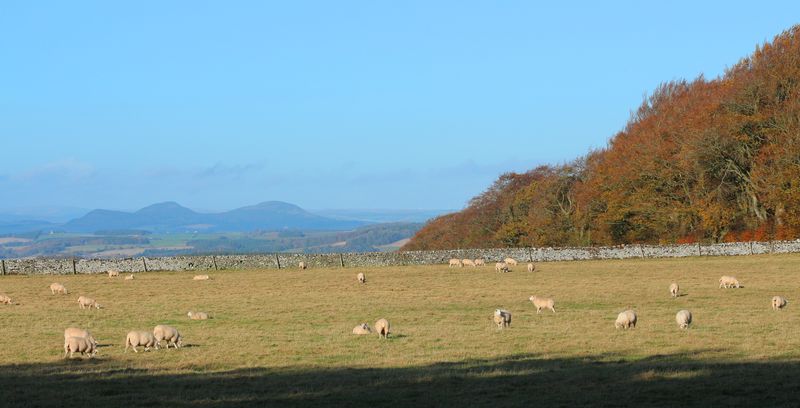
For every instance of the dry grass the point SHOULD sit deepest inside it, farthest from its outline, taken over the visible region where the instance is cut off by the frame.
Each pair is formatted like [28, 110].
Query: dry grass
[283, 337]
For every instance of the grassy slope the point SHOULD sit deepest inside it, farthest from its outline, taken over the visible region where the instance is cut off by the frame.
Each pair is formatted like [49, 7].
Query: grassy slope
[283, 337]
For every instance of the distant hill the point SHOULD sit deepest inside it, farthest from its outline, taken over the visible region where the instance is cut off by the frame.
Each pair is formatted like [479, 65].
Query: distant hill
[172, 217]
[382, 216]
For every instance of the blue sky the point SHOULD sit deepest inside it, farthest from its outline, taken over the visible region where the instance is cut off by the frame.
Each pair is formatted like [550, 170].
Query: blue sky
[371, 104]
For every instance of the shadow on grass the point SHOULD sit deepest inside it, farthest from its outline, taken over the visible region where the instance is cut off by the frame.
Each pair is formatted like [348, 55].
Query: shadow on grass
[603, 380]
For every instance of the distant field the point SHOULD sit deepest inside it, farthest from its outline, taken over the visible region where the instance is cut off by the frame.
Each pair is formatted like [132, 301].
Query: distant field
[282, 337]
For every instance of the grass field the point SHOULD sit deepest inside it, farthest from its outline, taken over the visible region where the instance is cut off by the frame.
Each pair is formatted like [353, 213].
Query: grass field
[283, 337]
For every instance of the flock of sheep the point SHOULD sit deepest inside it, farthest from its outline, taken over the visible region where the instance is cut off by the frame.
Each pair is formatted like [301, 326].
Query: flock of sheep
[626, 319]
[77, 340]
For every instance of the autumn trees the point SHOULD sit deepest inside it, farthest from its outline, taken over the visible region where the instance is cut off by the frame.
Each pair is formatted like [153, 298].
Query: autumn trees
[714, 160]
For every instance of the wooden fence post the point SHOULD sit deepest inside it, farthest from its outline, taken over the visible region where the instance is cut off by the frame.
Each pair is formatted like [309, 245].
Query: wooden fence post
[341, 260]
[641, 250]
[214, 259]
[699, 252]
[144, 262]
[751, 247]
[3, 261]
[74, 269]
[278, 261]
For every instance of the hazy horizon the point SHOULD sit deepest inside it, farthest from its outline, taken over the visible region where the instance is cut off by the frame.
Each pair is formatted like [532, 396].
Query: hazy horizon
[348, 106]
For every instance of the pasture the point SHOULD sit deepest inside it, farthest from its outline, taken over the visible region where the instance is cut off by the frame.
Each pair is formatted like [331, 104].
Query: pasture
[283, 337]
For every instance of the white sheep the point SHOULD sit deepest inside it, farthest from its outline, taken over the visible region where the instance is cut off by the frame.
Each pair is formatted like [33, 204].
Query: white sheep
[79, 344]
[684, 319]
[729, 282]
[113, 274]
[4, 299]
[140, 338]
[85, 302]
[626, 319]
[201, 277]
[510, 261]
[543, 303]
[455, 262]
[480, 262]
[362, 328]
[779, 302]
[76, 332]
[198, 315]
[382, 328]
[502, 318]
[531, 267]
[501, 267]
[361, 277]
[302, 265]
[673, 289]
[56, 287]
[467, 262]
[129, 277]
[169, 334]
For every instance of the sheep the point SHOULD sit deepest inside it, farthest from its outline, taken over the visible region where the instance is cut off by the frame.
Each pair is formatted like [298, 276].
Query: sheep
[362, 278]
[79, 344]
[57, 288]
[302, 265]
[201, 277]
[626, 319]
[455, 262]
[673, 289]
[129, 277]
[113, 274]
[729, 282]
[382, 328]
[362, 328]
[468, 262]
[480, 262]
[85, 302]
[76, 332]
[198, 315]
[543, 303]
[502, 318]
[4, 299]
[140, 338]
[501, 267]
[684, 319]
[169, 334]
[531, 267]
[779, 302]
[510, 261]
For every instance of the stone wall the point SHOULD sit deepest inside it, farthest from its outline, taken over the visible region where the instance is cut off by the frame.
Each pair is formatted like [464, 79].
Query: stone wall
[268, 261]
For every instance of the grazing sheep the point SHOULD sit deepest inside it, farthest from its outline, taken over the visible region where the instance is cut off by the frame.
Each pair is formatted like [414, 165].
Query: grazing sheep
[201, 277]
[543, 303]
[467, 262]
[502, 318]
[81, 345]
[382, 327]
[57, 288]
[140, 338]
[362, 328]
[531, 267]
[129, 277]
[76, 332]
[684, 319]
[510, 261]
[85, 302]
[113, 274]
[779, 302]
[302, 265]
[501, 267]
[673, 289]
[198, 315]
[4, 299]
[455, 262]
[362, 278]
[168, 333]
[480, 262]
[729, 282]
[626, 319]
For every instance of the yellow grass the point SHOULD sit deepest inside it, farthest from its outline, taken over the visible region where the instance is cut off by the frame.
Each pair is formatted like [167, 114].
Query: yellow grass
[283, 337]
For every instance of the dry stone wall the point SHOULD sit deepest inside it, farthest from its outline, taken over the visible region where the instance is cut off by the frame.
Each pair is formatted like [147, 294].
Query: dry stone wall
[376, 259]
